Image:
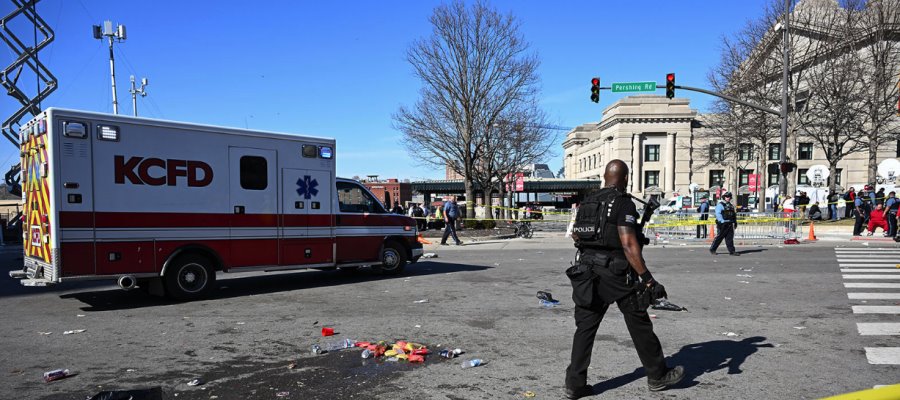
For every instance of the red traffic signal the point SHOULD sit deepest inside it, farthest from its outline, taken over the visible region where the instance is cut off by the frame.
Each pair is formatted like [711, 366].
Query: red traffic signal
[595, 90]
[595, 81]
[670, 85]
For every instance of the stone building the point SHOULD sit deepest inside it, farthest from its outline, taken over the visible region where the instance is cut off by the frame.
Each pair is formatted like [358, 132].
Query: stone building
[668, 146]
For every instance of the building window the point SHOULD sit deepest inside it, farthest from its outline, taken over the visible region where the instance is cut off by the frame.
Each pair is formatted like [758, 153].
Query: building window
[802, 179]
[744, 177]
[651, 178]
[717, 152]
[746, 152]
[806, 151]
[254, 173]
[774, 151]
[837, 176]
[773, 179]
[651, 152]
[717, 178]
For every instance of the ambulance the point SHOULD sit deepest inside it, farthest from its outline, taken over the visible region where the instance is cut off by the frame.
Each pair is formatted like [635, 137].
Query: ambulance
[168, 205]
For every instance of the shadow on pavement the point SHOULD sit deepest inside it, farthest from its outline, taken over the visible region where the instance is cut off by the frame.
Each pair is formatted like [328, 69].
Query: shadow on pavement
[698, 359]
[117, 299]
[751, 251]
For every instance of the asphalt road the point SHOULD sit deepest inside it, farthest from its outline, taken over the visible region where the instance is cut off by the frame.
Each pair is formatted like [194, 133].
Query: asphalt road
[796, 335]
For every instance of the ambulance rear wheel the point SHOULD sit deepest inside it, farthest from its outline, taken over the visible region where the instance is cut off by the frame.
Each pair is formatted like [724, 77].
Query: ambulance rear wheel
[190, 277]
[393, 259]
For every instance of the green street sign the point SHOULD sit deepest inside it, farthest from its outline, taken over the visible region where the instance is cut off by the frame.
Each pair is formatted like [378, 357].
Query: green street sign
[634, 87]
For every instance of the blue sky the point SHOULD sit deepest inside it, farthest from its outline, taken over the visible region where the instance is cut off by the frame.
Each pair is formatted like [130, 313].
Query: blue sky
[337, 69]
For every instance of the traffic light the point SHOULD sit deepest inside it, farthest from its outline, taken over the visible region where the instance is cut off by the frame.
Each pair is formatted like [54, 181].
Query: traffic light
[788, 167]
[670, 85]
[595, 90]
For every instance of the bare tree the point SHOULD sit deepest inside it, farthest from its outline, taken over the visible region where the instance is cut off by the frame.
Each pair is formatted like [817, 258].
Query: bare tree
[879, 31]
[473, 68]
[521, 137]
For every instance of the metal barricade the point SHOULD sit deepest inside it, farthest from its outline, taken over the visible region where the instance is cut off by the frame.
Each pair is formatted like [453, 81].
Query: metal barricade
[688, 226]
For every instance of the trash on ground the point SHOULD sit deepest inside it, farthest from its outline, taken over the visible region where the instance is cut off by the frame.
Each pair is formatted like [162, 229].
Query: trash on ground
[241, 323]
[791, 241]
[195, 382]
[429, 255]
[316, 349]
[799, 327]
[79, 315]
[746, 269]
[421, 301]
[475, 362]
[292, 366]
[448, 353]
[727, 298]
[665, 304]
[326, 331]
[72, 332]
[45, 333]
[729, 334]
[652, 316]
[139, 394]
[130, 370]
[56, 375]
[743, 282]
[529, 394]
[549, 304]
[546, 296]
[744, 276]
[283, 394]
[418, 326]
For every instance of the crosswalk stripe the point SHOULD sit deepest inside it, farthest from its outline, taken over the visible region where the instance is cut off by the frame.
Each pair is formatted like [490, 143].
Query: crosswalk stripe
[883, 355]
[871, 265]
[876, 309]
[888, 277]
[878, 328]
[868, 255]
[873, 296]
[879, 270]
[871, 285]
[881, 260]
[871, 250]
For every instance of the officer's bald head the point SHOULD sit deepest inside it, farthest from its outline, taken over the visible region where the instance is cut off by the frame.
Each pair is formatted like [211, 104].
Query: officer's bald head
[616, 174]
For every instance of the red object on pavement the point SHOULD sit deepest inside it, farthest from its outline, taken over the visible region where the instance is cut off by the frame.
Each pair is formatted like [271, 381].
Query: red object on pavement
[416, 358]
[363, 344]
[419, 352]
[327, 331]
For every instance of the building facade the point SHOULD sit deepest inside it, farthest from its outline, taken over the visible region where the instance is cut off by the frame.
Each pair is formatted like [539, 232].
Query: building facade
[668, 147]
[389, 190]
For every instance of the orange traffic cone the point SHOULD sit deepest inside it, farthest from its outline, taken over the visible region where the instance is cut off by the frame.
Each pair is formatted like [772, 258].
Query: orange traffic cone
[422, 240]
[712, 233]
[812, 231]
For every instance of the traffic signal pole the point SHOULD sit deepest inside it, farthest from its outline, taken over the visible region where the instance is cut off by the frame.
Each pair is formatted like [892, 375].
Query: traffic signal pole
[717, 94]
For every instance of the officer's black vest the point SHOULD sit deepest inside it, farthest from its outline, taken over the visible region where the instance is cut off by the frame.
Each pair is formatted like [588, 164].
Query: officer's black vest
[595, 222]
[895, 206]
[728, 212]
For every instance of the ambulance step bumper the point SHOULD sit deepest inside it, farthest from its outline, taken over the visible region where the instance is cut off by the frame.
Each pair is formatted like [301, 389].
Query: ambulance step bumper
[20, 274]
[35, 282]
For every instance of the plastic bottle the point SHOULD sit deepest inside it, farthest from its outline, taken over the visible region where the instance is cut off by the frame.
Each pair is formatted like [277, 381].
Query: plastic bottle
[447, 353]
[317, 350]
[56, 374]
[340, 345]
[472, 363]
[368, 353]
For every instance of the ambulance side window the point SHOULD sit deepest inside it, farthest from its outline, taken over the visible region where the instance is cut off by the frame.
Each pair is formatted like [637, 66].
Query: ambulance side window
[353, 199]
[254, 173]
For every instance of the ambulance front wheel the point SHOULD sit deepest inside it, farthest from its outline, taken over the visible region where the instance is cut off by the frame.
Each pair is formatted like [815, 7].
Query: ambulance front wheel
[190, 277]
[393, 259]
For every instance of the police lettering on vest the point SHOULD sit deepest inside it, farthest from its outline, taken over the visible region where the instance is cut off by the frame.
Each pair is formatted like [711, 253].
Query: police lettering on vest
[598, 217]
[728, 212]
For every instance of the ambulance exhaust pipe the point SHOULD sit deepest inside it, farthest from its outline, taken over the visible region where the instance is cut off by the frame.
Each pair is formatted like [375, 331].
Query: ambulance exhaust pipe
[127, 282]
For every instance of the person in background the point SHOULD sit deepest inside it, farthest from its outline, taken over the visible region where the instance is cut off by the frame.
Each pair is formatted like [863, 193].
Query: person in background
[891, 205]
[815, 213]
[726, 221]
[849, 198]
[879, 197]
[703, 209]
[398, 209]
[451, 213]
[788, 205]
[859, 213]
[833, 199]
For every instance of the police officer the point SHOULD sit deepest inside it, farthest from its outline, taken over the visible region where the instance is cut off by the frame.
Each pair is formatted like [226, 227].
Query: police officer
[608, 264]
[891, 205]
[726, 220]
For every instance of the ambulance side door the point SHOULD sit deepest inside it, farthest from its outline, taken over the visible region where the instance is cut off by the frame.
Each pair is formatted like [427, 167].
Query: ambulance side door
[253, 194]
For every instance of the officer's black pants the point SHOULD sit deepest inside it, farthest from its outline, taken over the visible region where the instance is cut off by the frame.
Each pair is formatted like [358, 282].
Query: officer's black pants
[860, 222]
[701, 232]
[724, 231]
[587, 320]
[892, 223]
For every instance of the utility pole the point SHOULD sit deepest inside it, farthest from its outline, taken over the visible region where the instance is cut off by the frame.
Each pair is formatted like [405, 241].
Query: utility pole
[782, 183]
[134, 92]
[119, 33]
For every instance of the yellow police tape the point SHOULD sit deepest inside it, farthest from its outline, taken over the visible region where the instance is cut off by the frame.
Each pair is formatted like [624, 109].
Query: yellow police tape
[692, 222]
[891, 392]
